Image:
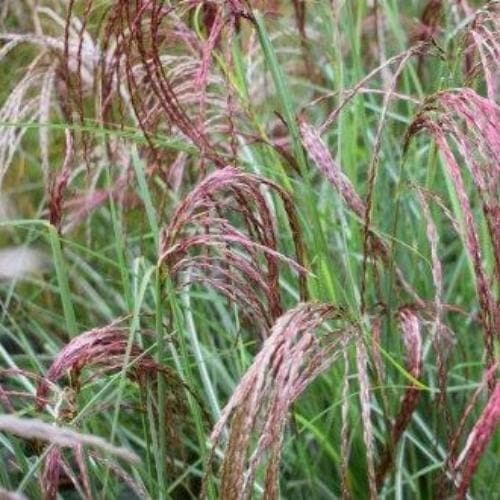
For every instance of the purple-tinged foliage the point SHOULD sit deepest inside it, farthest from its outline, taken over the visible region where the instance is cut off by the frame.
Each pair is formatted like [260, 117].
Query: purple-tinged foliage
[479, 146]
[51, 473]
[482, 48]
[412, 340]
[105, 349]
[322, 158]
[299, 348]
[487, 424]
[365, 402]
[201, 243]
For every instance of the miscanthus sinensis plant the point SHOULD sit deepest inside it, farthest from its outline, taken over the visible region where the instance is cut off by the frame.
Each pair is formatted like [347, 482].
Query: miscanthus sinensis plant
[249, 249]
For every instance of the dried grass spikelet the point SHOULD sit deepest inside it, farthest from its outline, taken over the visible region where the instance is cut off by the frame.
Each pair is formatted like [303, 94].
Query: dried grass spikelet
[365, 402]
[51, 473]
[154, 73]
[5, 400]
[20, 106]
[41, 93]
[481, 45]
[295, 353]
[58, 472]
[345, 444]
[100, 351]
[61, 470]
[412, 340]
[440, 336]
[453, 466]
[166, 69]
[103, 348]
[464, 120]
[323, 160]
[61, 437]
[202, 244]
[477, 442]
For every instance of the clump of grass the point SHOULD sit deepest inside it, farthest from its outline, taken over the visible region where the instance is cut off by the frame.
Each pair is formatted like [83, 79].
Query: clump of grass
[293, 208]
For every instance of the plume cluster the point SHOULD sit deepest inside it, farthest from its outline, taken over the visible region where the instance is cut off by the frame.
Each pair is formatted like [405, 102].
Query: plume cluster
[202, 244]
[299, 348]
